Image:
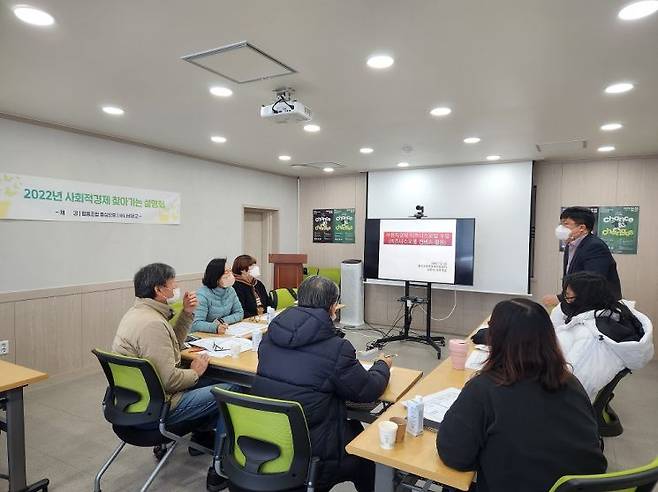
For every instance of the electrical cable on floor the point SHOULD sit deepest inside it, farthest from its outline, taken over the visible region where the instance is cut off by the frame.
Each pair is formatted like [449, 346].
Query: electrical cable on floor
[454, 306]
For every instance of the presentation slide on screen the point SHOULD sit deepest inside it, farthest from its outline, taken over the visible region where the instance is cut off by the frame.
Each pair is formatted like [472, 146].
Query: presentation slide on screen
[419, 250]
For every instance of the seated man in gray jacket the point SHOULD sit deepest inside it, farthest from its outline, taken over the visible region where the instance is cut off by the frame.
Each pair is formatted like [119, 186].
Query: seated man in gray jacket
[145, 332]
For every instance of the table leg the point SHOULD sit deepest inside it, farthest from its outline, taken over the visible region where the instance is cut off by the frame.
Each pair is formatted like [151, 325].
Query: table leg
[384, 476]
[16, 440]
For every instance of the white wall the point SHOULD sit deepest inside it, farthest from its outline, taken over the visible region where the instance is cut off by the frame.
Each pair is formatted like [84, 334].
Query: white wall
[39, 254]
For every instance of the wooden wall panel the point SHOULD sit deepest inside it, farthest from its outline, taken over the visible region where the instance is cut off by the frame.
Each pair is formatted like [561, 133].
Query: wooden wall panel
[7, 331]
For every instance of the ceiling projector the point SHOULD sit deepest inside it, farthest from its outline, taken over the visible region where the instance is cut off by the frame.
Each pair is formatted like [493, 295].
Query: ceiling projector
[285, 108]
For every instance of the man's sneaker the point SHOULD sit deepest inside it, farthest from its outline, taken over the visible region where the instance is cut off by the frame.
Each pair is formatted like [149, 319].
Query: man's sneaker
[215, 482]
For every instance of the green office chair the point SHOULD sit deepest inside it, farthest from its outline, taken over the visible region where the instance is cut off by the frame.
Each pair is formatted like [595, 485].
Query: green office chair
[283, 298]
[309, 271]
[609, 423]
[640, 479]
[135, 397]
[332, 274]
[267, 446]
[177, 308]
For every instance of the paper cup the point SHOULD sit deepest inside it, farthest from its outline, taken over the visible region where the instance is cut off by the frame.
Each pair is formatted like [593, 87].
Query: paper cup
[387, 432]
[458, 352]
[235, 351]
[402, 428]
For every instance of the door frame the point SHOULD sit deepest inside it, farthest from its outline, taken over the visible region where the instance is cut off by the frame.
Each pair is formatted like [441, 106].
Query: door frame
[270, 238]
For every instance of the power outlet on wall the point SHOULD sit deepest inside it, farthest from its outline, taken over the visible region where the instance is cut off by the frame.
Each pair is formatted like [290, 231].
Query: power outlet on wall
[4, 347]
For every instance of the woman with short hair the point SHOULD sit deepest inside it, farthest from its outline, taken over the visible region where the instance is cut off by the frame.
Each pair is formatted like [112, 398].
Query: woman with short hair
[524, 420]
[250, 290]
[219, 305]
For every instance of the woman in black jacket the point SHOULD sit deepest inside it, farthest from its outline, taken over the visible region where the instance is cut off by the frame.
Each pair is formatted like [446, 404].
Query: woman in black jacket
[301, 358]
[524, 421]
[251, 291]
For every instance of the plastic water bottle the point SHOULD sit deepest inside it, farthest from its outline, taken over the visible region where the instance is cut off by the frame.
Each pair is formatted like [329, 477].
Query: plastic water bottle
[270, 314]
[256, 337]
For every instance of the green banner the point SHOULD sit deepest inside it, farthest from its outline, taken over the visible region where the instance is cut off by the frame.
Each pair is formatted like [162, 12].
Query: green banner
[618, 227]
[344, 225]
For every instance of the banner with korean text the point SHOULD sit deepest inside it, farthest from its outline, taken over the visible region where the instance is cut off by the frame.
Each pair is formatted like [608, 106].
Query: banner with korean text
[36, 198]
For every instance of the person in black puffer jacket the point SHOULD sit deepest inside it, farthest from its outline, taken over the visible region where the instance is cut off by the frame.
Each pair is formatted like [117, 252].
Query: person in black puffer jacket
[302, 359]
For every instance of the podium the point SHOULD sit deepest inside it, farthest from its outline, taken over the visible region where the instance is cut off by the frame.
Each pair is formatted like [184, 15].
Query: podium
[288, 270]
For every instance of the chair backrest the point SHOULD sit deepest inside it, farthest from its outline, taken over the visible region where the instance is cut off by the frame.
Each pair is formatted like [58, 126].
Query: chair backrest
[641, 479]
[134, 395]
[177, 308]
[332, 274]
[604, 396]
[268, 446]
[309, 271]
[283, 298]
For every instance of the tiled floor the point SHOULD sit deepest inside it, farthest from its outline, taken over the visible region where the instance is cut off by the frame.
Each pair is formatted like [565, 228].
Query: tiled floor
[68, 439]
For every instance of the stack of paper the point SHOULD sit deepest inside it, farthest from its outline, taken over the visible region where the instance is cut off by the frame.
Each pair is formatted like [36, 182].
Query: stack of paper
[437, 404]
[221, 346]
[243, 328]
[477, 358]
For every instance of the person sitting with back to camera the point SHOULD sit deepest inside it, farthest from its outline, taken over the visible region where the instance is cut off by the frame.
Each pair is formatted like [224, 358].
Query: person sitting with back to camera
[219, 305]
[524, 420]
[250, 290]
[301, 358]
[599, 335]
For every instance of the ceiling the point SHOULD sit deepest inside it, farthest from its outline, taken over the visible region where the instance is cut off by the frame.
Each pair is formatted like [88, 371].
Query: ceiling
[516, 73]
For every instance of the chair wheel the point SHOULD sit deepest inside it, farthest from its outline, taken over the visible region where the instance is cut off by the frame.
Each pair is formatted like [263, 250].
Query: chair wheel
[159, 451]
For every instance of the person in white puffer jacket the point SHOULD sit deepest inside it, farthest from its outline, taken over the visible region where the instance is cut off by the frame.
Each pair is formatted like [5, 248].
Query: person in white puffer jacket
[600, 336]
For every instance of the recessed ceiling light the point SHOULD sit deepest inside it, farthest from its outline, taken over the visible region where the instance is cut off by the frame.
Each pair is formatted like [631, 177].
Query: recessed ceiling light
[471, 140]
[366, 150]
[403, 164]
[493, 157]
[441, 111]
[606, 148]
[637, 10]
[113, 110]
[328, 169]
[611, 127]
[33, 16]
[380, 61]
[312, 128]
[218, 139]
[284, 157]
[619, 88]
[221, 91]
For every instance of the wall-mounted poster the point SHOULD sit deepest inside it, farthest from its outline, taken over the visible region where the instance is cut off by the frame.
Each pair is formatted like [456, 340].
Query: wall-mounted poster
[618, 227]
[323, 228]
[344, 225]
[36, 198]
[333, 225]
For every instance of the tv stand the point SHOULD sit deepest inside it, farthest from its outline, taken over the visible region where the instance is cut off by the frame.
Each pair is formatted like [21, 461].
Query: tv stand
[436, 342]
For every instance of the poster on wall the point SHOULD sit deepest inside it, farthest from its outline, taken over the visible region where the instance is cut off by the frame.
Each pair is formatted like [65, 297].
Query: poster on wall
[36, 198]
[344, 225]
[618, 227]
[333, 225]
[323, 230]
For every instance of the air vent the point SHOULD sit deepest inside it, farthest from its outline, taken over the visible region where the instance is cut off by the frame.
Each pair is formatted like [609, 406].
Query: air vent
[320, 165]
[240, 63]
[565, 146]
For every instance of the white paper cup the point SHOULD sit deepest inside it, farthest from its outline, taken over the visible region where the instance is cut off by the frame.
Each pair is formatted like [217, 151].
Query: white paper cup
[387, 433]
[235, 351]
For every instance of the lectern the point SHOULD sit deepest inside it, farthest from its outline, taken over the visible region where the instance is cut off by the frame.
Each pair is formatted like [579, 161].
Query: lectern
[288, 270]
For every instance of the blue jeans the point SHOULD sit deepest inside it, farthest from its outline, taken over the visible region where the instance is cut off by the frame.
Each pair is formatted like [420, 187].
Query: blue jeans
[198, 403]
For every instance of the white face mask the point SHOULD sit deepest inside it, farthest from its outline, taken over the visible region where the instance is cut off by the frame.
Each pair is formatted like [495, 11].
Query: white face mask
[562, 233]
[175, 297]
[254, 271]
[227, 281]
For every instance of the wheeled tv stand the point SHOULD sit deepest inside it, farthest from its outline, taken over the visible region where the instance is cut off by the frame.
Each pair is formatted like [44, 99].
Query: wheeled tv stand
[436, 342]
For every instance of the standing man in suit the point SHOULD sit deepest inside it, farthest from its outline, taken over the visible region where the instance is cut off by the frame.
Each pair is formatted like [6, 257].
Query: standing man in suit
[584, 251]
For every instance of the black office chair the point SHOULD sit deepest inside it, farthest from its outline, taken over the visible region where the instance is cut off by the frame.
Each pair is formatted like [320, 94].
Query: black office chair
[135, 397]
[267, 446]
[606, 417]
